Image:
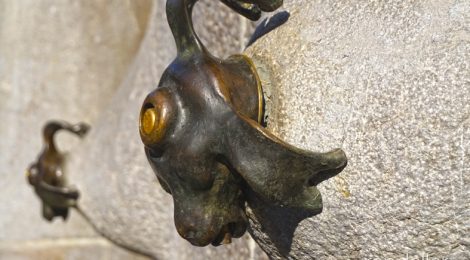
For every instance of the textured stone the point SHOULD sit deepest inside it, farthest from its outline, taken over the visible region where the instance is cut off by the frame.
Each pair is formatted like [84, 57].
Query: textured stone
[389, 82]
[70, 60]
[58, 60]
[65, 249]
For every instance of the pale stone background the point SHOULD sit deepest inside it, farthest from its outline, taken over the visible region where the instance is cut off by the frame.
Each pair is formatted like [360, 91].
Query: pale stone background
[58, 59]
[388, 81]
[67, 60]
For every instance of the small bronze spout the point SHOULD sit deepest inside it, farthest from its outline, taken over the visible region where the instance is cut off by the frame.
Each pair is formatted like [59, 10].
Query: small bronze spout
[47, 174]
[202, 132]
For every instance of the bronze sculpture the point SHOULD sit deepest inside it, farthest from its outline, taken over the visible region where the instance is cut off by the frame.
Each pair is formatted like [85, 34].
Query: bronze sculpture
[47, 174]
[202, 132]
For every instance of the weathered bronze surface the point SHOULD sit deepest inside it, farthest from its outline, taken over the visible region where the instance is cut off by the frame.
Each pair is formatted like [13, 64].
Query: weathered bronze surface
[203, 138]
[47, 174]
[251, 9]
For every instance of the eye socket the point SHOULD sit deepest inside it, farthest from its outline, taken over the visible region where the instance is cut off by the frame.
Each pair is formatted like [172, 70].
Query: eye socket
[156, 116]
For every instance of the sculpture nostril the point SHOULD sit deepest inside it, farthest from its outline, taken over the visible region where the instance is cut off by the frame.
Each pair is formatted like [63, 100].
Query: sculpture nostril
[196, 238]
[229, 231]
[224, 237]
[189, 235]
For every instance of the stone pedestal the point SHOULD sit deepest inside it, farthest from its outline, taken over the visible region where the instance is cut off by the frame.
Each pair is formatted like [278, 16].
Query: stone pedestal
[389, 82]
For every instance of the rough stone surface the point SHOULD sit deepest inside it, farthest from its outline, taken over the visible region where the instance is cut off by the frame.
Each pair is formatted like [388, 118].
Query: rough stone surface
[58, 60]
[70, 60]
[66, 249]
[389, 82]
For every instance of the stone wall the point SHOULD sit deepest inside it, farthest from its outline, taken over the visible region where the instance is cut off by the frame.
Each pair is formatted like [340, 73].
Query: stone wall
[388, 81]
[62, 60]
[71, 60]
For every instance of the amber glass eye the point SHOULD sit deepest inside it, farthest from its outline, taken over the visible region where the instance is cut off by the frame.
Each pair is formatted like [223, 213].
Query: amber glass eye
[149, 120]
[155, 117]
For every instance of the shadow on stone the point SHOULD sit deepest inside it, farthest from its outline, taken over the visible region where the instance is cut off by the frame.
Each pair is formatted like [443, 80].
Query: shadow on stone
[277, 223]
[268, 25]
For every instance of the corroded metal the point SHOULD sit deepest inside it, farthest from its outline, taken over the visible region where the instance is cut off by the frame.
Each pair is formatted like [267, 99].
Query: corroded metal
[252, 9]
[202, 132]
[47, 174]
